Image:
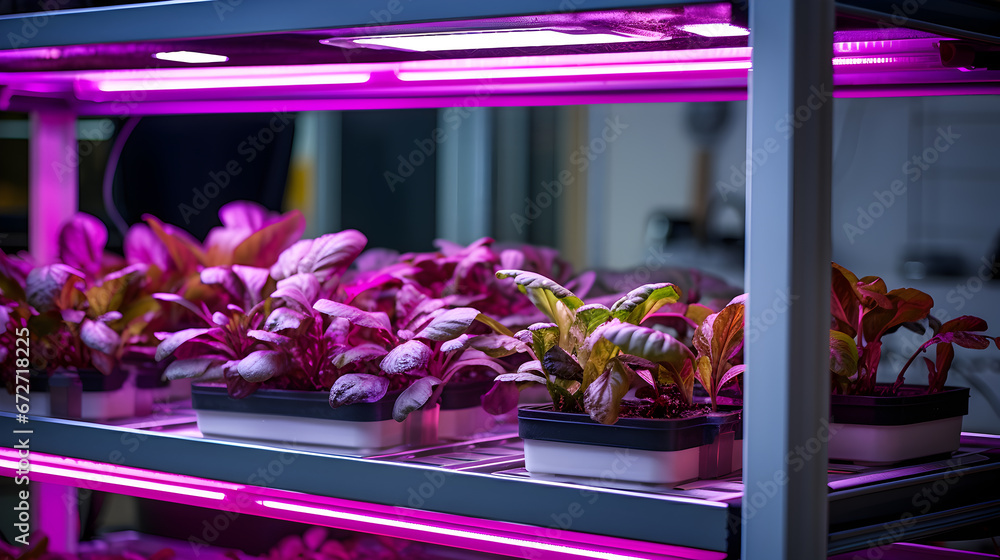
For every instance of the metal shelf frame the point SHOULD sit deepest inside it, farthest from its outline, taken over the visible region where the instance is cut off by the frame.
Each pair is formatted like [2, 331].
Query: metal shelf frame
[788, 237]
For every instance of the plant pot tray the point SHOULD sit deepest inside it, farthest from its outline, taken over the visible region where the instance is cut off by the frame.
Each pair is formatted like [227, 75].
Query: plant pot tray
[297, 418]
[633, 449]
[890, 429]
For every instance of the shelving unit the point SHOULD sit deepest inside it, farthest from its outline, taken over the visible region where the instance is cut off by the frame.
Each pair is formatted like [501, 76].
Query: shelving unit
[99, 62]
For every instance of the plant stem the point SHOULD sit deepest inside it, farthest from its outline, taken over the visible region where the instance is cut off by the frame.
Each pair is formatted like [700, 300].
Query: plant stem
[899, 378]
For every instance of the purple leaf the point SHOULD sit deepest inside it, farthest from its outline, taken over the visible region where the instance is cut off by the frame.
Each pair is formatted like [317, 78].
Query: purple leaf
[511, 259]
[99, 336]
[265, 336]
[262, 365]
[326, 256]
[282, 319]
[193, 367]
[559, 363]
[731, 374]
[361, 353]
[105, 363]
[357, 388]
[172, 342]
[964, 339]
[143, 247]
[456, 344]
[110, 316]
[45, 285]
[414, 397]
[224, 277]
[520, 377]
[376, 320]
[81, 243]
[501, 398]
[407, 357]
[964, 323]
[253, 280]
[174, 298]
[449, 324]
[303, 288]
[73, 315]
[376, 259]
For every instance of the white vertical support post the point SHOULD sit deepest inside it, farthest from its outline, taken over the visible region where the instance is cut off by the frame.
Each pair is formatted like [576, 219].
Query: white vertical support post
[58, 511]
[788, 276]
[52, 180]
[465, 170]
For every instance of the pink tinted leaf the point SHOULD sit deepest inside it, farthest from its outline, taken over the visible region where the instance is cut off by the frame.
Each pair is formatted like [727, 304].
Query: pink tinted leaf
[45, 285]
[172, 342]
[81, 243]
[502, 397]
[362, 353]
[449, 324]
[193, 367]
[174, 298]
[282, 319]
[262, 365]
[414, 397]
[105, 363]
[99, 336]
[253, 280]
[964, 323]
[184, 250]
[265, 336]
[141, 246]
[357, 388]
[289, 259]
[732, 374]
[407, 357]
[331, 254]
[375, 320]
[262, 247]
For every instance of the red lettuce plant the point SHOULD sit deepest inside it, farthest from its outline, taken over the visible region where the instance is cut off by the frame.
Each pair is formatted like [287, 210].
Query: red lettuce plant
[864, 311]
[86, 311]
[226, 347]
[467, 275]
[429, 346]
[265, 336]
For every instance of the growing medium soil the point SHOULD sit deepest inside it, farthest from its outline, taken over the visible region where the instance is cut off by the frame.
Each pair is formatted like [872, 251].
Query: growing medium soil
[667, 406]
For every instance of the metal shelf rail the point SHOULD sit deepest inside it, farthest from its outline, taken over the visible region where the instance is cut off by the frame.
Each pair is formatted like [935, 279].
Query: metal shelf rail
[59, 65]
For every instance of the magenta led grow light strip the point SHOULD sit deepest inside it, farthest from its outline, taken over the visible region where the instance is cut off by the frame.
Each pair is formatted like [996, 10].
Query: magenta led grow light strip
[445, 529]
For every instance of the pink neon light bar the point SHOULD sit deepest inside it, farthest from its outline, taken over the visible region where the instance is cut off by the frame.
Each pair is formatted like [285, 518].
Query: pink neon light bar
[905, 66]
[438, 528]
